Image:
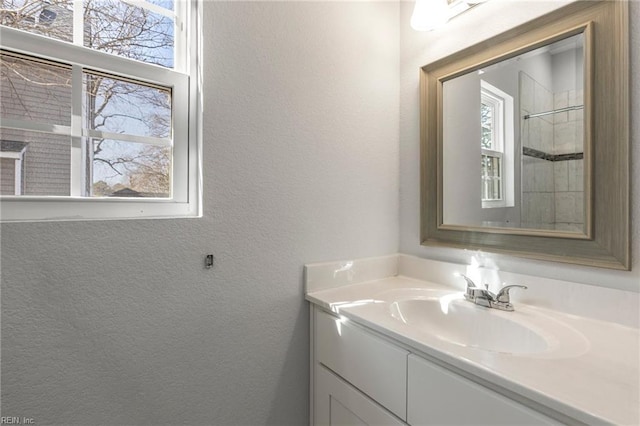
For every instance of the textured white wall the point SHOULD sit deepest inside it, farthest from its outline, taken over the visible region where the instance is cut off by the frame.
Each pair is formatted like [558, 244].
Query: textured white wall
[418, 49]
[119, 323]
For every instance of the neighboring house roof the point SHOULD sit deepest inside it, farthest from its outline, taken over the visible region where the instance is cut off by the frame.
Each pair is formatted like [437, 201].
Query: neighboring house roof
[126, 192]
[40, 18]
[12, 146]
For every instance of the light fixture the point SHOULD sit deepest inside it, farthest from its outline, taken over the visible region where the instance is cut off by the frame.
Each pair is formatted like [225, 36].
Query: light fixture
[430, 14]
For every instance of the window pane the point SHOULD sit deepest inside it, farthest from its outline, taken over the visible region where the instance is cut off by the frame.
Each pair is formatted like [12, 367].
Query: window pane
[491, 178]
[486, 140]
[52, 18]
[167, 4]
[486, 123]
[122, 169]
[122, 29]
[124, 107]
[8, 175]
[34, 91]
[46, 169]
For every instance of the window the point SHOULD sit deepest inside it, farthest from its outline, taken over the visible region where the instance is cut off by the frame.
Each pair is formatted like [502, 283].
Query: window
[492, 141]
[99, 109]
[11, 158]
[496, 145]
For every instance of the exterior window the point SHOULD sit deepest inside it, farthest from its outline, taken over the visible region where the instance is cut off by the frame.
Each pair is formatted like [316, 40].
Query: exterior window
[11, 159]
[99, 109]
[496, 146]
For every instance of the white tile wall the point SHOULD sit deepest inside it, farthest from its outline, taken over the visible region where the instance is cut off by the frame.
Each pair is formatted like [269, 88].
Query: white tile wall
[552, 191]
[526, 92]
[561, 176]
[564, 138]
[575, 176]
[560, 100]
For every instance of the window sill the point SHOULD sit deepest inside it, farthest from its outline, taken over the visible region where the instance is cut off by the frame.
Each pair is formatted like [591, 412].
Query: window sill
[43, 210]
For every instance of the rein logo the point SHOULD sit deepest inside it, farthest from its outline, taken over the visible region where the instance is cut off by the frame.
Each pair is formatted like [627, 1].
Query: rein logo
[16, 421]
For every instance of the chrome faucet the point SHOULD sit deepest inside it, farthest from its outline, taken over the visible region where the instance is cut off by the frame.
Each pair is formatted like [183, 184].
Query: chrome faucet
[483, 297]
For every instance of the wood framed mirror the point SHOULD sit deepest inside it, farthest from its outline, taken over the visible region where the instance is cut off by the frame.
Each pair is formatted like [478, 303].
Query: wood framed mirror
[525, 140]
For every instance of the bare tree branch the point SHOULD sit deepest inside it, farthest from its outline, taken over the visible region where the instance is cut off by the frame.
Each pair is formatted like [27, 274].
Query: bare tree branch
[111, 104]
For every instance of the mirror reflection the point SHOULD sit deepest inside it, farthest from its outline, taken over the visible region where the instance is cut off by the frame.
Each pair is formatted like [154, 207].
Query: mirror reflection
[513, 142]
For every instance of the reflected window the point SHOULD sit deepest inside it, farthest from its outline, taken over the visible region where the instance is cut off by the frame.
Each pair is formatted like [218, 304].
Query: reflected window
[496, 114]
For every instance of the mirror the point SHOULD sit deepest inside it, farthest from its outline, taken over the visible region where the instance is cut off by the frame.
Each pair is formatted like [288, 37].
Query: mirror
[516, 160]
[525, 140]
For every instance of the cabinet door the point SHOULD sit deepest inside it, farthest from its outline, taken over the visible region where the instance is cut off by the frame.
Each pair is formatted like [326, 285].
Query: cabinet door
[437, 396]
[374, 366]
[339, 404]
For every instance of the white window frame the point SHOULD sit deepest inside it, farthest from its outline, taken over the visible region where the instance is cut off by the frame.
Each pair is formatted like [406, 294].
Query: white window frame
[502, 141]
[185, 83]
[18, 159]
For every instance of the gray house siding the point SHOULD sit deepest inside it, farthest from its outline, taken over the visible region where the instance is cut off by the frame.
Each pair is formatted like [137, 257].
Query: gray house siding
[7, 176]
[38, 93]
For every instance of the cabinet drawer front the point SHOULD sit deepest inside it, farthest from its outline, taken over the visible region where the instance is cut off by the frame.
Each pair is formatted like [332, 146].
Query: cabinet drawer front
[337, 404]
[440, 397]
[373, 365]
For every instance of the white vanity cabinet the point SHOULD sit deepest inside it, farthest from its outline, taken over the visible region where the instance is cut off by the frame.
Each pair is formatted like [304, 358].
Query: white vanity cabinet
[361, 378]
[373, 366]
[437, 396]
[337, 403]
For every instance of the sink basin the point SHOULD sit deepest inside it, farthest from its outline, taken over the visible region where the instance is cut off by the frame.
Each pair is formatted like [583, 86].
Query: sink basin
[462, 323]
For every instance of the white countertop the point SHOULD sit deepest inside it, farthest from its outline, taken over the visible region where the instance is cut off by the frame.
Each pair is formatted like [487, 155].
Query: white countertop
[594, 379]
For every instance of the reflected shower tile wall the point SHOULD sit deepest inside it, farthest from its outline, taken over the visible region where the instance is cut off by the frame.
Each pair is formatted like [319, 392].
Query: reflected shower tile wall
[527, 174]
[569, 194]
[579, 129]
[569, 207]
[579, 207]
[568, 126]
[547, 209]
[576, 97]
[564, 138]
[538, 203]
[575, 174]
[568, 174]
[526, 92]
[532, 138]
[541, 208]
[541, 137]
[544, 176]
[561, 176]
[551, 188]
[543, 98]
[524, 210]
[560, 100]
[565, 207]
[538, 210]
[546, 135]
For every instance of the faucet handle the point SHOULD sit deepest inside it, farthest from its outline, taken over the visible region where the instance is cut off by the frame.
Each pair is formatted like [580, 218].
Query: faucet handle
[503, 294]
[470, 283]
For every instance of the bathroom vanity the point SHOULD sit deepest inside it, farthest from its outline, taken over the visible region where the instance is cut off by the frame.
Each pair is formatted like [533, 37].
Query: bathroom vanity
[390, 347]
